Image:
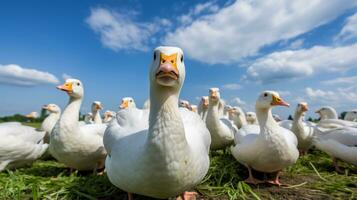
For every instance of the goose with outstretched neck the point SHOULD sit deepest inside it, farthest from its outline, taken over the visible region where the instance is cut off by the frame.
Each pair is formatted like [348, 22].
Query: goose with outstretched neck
[77, 146]
[170, 155]
[222, 130]
[274, 148]
[96, 107]
[49, 123]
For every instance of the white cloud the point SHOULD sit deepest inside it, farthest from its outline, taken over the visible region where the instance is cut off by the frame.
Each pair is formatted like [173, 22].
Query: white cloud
[338, 98]
[244, 27]
[284, 92]
[208, 7]
[119, 32]
[238, 101]
[285, 65]
[296, 44]
[232, 86]
[16, 75]
[349, 30]
[342, 80]
[66, 76]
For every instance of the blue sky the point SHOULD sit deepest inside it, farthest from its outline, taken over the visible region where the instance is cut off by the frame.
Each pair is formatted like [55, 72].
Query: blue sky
[304, 49]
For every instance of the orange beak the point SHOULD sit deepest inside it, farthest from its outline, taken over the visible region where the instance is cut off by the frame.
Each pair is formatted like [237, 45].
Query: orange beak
[277, 101]
[124, 104]
[67, 87]
[98, 106]
[168, 66]
[205, 103]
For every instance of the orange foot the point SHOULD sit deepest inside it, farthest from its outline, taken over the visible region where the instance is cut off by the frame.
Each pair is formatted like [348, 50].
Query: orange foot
[188, 196]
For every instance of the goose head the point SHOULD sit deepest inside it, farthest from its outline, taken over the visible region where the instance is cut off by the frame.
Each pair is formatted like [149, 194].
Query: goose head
[204, 102]
[52, 108]
[327, 112]
[234, 112]
[185, 104]
[167, 68]
[97, 105]
[214, 96]
[194, 108]
[301, 108]
[251, 116]
[88, 117]
[73, 87]
[269, 99]
[32, 115]
[127, 102]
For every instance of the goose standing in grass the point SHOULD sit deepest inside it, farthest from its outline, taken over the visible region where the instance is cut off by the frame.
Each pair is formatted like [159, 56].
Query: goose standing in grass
[20, 145]
[251, 118]
[304, 131]
[96, 107]
[329, 118]
[237, 115]
[222, 130]
[203, 108]
[78, 147]
[335, 142]
[170, 155]
[49, 123]
[274, 149]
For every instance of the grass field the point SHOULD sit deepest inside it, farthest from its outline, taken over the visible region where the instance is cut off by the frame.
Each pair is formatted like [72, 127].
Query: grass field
[312, 177]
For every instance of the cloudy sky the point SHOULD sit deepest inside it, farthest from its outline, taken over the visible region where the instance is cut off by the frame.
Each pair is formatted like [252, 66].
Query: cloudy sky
[306, 50]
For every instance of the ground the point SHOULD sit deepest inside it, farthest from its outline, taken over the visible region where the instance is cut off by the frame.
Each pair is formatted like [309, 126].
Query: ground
[312, 177]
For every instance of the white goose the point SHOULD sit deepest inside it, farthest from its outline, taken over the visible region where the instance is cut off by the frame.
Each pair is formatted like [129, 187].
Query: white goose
[222, 130]
[49, 123]
[109, 116]
[127, 102]
[185, 104]
[274, 149]
[20, 145]
[237, 115]
[170, 154]
[203, 108]
[96, 107]
[78, 147]
[304, 131]
[251, 118]
[329, 119]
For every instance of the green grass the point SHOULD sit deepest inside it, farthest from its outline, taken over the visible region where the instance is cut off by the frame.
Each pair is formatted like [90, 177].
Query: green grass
[312, 177]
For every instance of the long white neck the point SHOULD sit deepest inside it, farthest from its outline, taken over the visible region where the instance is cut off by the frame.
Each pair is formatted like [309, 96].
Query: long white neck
[297, 125]
[242, 119]
[50, 121]
[97, 118]
[69, 118]
[166, 129]
[266, 120]
[213, 115]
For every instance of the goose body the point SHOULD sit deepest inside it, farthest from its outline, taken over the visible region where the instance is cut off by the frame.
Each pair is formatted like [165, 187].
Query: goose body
[274, 148]
[338, 150]
[304, 131]
[77, 146]
[20, 145]
[166, 154]
[222, 130]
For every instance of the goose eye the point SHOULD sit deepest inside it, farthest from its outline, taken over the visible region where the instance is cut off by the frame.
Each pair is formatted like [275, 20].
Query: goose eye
[78, 84]
[131, 100]
[265, 94]
[181, 58]
[154, 56]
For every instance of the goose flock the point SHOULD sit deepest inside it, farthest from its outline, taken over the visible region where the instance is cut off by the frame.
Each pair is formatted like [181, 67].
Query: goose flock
[163, 150]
